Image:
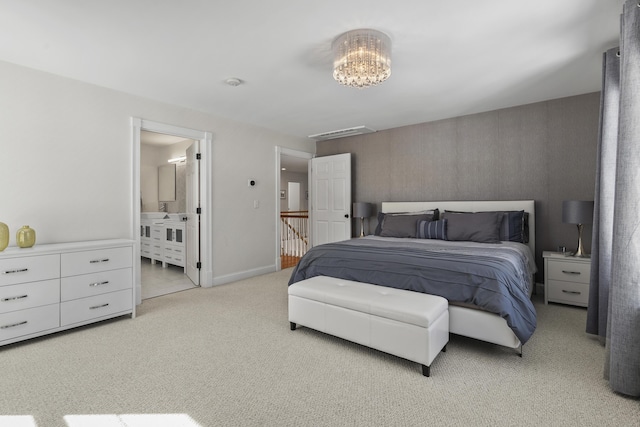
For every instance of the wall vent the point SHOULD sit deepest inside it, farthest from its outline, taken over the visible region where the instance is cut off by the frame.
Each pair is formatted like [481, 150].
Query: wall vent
[358, 130]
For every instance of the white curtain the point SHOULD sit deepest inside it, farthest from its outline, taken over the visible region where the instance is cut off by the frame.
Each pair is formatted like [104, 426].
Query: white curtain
[614, 300]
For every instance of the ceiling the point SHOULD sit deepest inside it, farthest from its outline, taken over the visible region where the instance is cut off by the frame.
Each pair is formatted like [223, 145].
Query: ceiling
[450, 58]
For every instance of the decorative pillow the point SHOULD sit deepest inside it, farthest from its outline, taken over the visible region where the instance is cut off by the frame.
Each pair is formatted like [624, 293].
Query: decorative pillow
[402, 225]
[432, 229]
[514, 226]
[483, 227]
[431, 215]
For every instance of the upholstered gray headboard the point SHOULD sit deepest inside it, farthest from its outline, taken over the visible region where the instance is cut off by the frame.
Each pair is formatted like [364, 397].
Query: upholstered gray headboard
[472, 206]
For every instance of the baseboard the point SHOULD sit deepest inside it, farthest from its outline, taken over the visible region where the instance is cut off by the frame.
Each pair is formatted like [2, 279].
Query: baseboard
[229, 278]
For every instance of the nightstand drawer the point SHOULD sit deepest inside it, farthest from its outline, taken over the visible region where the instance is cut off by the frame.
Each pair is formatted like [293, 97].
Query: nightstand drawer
[569, 271]
[568, 292]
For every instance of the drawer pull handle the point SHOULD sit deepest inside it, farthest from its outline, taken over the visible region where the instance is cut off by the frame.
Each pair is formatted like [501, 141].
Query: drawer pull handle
[18, 270]
[94, 261]
[98, 306]
[24, 322]
[570, 272]
[571, 292]
[14, 298]
[98, 283]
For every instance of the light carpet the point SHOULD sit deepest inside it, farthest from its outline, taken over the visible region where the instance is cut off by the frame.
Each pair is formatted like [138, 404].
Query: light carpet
[225, 356]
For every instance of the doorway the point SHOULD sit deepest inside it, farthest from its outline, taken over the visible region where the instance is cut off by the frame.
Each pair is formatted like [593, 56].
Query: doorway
[292, 201]
[163, 199]
[202, 215]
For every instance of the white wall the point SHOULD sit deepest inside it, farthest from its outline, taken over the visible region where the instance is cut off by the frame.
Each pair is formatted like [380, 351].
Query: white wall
[65, 166]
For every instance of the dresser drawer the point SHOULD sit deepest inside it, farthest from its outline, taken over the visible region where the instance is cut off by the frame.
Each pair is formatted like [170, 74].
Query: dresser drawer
[28, 295]
[157, 232]
[174, 255]
[75, 263]
[157, 251]
[84, 309]
[87, 285]
[29, 269]
[172, 250]
[569, 271]
[175, 260]
[29, 321]
[568, 292]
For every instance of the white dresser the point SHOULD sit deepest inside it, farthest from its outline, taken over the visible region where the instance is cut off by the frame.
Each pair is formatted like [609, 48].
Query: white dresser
[50, 288]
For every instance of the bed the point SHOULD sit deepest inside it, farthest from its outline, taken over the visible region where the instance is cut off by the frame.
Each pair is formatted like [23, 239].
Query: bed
[488, 285]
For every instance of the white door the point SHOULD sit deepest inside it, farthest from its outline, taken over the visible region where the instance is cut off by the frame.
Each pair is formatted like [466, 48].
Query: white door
[330, 199]
[193, 213]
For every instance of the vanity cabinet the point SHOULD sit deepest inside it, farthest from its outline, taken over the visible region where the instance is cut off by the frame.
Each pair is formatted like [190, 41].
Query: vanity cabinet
[174, 249]
[50, 288]
[145, 238]
[157, 242]
[162, 238]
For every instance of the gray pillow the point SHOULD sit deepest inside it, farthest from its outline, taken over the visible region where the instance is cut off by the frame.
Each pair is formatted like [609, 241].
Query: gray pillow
[514, 226]
[483, 227]
[402, 225]
[433, 213]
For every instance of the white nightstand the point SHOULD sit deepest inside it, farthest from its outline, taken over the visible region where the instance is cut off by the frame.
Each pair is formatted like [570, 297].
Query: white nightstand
[566, 279]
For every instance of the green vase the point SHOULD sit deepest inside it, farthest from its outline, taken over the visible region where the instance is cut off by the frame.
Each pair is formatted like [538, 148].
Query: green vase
[4, 236]
[26, 237]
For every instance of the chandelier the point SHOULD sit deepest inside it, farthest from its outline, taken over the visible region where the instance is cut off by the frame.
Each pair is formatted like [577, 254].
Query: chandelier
[361, 58]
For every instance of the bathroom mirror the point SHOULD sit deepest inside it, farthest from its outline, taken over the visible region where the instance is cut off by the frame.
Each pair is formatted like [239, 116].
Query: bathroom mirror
[167, 183]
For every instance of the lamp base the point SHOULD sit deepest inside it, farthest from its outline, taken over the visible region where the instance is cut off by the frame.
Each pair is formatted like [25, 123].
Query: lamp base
[580, 253]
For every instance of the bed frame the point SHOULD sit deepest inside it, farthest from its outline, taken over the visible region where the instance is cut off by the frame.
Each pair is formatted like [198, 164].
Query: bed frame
[470, 322]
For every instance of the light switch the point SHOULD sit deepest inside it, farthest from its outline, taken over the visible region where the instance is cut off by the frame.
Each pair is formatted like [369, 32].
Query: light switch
[256, 204]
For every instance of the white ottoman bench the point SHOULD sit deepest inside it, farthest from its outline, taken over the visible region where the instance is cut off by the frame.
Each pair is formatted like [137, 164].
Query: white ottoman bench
[407, 324]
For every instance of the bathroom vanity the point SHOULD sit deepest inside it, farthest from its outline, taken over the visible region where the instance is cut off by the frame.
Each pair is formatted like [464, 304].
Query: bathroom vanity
[163, 238]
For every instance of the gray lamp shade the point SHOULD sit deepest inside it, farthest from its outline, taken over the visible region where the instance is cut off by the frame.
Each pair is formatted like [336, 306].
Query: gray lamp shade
[362, 210]
[577, 212]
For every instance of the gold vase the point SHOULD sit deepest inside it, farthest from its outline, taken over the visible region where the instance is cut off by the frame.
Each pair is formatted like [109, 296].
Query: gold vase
[26, 237]
[4, 236]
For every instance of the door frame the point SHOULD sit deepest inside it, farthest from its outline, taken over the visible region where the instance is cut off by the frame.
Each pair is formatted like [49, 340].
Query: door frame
[293, 153]
[206, 202]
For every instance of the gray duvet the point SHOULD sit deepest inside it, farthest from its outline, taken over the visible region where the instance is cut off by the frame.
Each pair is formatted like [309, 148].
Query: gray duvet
[493, 277]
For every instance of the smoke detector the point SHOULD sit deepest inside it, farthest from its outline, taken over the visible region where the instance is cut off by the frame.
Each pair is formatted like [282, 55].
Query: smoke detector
[233, 81]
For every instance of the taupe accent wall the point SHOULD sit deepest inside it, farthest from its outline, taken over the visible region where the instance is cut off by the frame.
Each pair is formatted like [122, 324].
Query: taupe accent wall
[544, 151]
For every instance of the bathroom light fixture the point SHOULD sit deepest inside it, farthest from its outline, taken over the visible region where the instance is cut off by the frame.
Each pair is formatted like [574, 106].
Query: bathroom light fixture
[361, 58]
[177, 159]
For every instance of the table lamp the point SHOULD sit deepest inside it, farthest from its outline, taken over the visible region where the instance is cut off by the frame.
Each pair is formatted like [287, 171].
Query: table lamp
[578, 212]
[362, 211]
